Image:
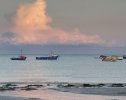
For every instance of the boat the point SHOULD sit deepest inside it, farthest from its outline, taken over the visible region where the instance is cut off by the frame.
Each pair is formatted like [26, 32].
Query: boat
[102, 56]
[124, 56]
[117, 57]
[19, 58]
[112, 58]
[108, 58]
[50, 57]
[120, 58]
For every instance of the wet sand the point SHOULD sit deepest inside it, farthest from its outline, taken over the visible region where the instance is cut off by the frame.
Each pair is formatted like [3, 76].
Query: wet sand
[63, 91]
[54, 95]
[16, 98]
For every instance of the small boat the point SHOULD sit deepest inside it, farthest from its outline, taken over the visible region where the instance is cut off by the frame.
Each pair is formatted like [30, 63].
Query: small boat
[53, 57]
[50, 57]
[124, 56]
[112, 58]
[102, 56]
[120, 58]
[19, 58]
[117, 57]
[108, 58]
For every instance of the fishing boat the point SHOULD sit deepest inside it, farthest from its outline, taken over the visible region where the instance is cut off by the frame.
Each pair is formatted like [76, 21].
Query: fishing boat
[50, 57]
[108, 58]
[124, 56]
[19, 58]
[120, 58]
[117, 57]
[112, 58]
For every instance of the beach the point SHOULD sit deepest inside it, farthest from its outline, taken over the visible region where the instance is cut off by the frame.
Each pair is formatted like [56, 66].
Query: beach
[53, 95]
[85, 78]
[12, 98]
[62, 91]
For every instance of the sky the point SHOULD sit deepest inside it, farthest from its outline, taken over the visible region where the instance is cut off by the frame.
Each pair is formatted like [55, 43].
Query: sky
[88, 25]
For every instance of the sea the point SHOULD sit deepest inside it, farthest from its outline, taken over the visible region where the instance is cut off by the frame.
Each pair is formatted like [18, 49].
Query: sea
[68, 68]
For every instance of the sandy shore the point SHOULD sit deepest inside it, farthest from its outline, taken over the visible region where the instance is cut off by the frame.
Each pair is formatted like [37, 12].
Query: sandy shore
[46, 94]
[14, 98]
[63, 92]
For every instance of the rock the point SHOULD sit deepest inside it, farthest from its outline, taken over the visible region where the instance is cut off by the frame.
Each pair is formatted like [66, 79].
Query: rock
[37, 86]
[117, 85]
[65, 85]
[69, 85]
[28, 88]
[88, 85]
[100, 85]
[8, 86]
[31, 87]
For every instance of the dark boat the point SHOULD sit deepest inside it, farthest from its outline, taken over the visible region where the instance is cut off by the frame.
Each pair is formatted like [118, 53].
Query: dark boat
[51, 57]
[19, 58]
[124, 57]
[102, 56]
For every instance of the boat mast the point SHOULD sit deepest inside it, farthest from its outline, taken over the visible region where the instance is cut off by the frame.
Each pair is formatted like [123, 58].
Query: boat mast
[21, 52]
[52, 53]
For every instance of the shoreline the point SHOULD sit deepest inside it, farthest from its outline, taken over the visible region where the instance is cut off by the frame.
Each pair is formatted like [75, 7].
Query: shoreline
[46, 94]
[2, 97]
[77, 88]
[62, 91]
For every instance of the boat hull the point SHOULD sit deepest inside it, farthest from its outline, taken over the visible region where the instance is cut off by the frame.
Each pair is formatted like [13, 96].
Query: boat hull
[47, 58]
[124, 57]
[18, 58]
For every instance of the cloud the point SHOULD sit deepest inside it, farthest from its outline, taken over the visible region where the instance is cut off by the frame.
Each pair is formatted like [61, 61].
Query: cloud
[7, 37]
[31, 25]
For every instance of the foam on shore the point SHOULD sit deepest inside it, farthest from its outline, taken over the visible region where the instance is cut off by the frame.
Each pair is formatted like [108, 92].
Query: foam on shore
[63, 91]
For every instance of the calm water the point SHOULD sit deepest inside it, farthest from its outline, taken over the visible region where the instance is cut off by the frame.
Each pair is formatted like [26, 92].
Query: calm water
[68, 68]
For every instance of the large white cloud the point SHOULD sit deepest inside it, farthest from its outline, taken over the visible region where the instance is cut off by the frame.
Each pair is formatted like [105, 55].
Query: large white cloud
[31, 25]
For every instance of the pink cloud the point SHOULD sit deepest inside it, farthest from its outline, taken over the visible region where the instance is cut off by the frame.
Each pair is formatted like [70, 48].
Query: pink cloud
[31, 26]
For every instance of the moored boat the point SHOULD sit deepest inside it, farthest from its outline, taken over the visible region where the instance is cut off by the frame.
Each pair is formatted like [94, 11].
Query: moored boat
[112, 58]
[53, 57]
[19, 58]
[124, 56]
[117, 57]
[50, 57]
[120, 58]
[108, 58]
